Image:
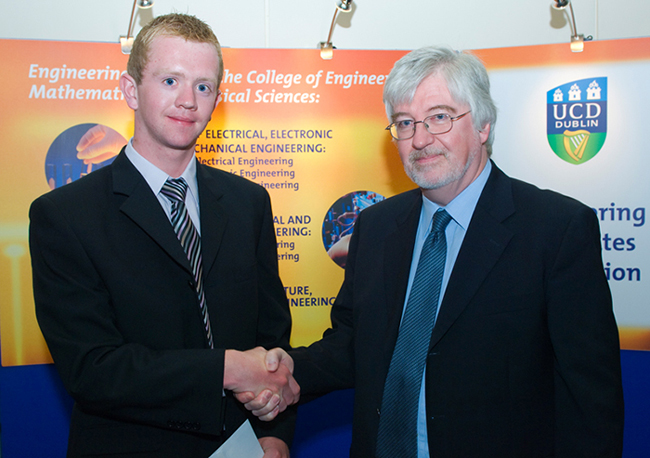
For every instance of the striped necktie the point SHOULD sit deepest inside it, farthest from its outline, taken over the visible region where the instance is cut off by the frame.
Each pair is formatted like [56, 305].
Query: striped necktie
[397, 436]
[175, 190]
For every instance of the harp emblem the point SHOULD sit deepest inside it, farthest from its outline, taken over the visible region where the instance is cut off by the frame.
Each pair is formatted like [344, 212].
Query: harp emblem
[575, 143]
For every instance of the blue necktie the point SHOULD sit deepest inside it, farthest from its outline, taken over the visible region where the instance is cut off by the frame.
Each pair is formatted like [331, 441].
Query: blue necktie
[397, 436]
[174, 190]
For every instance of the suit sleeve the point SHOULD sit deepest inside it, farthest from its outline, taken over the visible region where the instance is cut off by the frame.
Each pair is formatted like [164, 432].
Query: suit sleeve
[588, 400]
[328, 364]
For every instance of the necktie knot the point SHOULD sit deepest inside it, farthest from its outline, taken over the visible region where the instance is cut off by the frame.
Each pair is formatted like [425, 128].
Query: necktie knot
[175, 189]
[440, 220]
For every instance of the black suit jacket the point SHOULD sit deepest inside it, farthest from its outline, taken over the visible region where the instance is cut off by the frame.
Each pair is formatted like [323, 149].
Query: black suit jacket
[524, 356]
[116, 303]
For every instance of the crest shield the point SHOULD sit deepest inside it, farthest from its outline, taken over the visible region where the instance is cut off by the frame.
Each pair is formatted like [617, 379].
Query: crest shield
[577, 119]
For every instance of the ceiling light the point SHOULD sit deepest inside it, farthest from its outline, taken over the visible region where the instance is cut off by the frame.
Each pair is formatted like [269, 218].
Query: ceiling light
[126, 42]
[577, 41]
[326, 47]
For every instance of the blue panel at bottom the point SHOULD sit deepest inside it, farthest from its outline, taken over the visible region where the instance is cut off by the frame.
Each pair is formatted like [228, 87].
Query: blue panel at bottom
[35, 410]
[324, 427]
[636, 386]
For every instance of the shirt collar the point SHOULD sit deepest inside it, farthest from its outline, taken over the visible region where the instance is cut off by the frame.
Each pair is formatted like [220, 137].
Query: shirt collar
[462, 207]
[156, 178]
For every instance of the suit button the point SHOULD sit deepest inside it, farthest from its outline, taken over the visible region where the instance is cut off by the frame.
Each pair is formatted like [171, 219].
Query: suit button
[378, 413]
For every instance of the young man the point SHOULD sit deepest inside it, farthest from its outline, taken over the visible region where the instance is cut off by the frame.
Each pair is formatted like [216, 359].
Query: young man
[486, 330]
[153, 275]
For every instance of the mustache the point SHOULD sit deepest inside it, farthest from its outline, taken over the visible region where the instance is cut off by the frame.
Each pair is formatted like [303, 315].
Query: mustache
[416, 155]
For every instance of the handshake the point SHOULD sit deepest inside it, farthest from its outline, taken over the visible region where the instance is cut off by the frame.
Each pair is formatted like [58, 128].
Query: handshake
[261, 380]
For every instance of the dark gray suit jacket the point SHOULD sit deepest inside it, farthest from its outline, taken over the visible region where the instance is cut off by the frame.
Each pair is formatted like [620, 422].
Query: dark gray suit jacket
[524, 356]
[115, 300]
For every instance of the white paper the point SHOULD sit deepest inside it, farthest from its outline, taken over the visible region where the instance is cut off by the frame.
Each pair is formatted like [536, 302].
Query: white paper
[242, 444]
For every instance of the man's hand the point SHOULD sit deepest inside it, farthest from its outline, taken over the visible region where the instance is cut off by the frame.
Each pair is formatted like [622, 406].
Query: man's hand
[274, 447]
[262, 380]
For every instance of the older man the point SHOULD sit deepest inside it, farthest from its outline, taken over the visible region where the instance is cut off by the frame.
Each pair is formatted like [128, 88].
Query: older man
[475, 319]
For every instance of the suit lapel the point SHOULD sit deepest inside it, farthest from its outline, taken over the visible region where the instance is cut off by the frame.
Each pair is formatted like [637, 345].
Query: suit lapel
[484, 242]
[214, 218]
[398, 254]
[142, 207]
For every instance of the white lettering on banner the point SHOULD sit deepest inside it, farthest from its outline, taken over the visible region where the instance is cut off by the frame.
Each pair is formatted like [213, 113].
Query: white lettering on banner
[576, 111]
[66, 92]
[54, 74]
[271, 77]
[285, 97]
[354, 79]
[236, 97]
[576, 124]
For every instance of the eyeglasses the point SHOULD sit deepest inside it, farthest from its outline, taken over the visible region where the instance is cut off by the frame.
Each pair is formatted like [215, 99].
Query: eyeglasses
[439, 123]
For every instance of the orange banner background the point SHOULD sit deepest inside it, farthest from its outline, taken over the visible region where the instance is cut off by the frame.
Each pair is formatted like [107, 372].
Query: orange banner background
[274, 101]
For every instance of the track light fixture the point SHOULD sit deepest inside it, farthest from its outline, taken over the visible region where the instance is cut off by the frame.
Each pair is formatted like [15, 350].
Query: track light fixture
[127, 42]
[577, 41]
[344, 6]
[326, 47]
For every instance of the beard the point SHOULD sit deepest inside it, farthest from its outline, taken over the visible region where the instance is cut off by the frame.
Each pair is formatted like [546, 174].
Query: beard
[434, 176]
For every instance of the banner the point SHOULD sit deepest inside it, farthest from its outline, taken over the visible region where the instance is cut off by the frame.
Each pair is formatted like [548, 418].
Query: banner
[54, 93]
[311, 131]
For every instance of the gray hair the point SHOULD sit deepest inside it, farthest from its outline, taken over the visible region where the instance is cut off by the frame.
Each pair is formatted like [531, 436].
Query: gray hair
[465, 75]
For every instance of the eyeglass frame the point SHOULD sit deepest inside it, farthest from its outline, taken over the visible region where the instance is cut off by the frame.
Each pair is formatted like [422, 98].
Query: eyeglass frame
[452, 119]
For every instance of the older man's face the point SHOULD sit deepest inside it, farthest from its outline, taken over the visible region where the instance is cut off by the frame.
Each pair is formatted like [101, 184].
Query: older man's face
[443, 165]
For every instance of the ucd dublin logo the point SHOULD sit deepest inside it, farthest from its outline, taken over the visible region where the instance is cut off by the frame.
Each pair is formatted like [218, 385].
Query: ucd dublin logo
[576, 115]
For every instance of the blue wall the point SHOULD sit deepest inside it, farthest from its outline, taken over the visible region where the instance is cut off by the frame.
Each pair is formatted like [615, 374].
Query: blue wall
[34, 411]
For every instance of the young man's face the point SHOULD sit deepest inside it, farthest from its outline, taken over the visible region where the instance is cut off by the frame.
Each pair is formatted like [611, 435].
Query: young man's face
[176, 97]
[443, 165]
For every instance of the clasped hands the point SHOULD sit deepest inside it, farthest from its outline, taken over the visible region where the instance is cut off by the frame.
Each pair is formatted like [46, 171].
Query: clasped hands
[261, 380]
